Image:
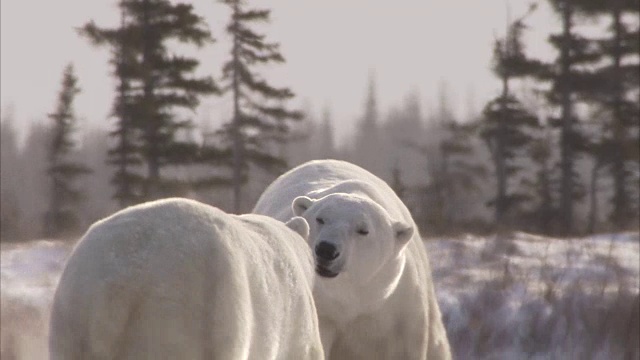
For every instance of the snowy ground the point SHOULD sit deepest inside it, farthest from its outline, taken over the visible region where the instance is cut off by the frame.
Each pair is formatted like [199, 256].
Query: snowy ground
[521, 297]
[29, 274]
[529, 297]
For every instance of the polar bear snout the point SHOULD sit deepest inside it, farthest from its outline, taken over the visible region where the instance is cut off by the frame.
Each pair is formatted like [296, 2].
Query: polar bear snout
[326, 251]
[326, 256]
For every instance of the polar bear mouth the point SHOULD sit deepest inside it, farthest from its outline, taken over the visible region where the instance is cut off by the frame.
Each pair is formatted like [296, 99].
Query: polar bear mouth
[324, 272]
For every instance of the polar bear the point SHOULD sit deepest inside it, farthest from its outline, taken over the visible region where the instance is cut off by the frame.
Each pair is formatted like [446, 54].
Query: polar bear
[178, 279]
[374, 292]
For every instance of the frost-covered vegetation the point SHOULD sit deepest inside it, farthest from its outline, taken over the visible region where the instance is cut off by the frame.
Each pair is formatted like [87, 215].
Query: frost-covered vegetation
[524, 296]
[512, 297]
[30, 272]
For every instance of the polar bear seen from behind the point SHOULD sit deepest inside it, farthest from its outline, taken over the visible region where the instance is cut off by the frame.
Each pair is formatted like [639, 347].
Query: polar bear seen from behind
[178, 279]
[374, 292]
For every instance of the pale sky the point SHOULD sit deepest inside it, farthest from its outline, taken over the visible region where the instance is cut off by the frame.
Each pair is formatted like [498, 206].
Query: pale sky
[331, 46]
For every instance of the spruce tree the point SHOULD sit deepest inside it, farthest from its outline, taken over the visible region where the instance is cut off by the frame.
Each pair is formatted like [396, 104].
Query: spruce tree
[396, 181]
[10, 181]
[541, 188]
[461, 175]
[453, 174]
[326, 147]
[124, 154]
[507, 124]
[611, 86]
[622, 77]
[563, 86]
[403, 125]
[61, 216]
[33, 192]
[569, 75]
[260, 116]
[155, 84]
[368, 139]
[302, 138]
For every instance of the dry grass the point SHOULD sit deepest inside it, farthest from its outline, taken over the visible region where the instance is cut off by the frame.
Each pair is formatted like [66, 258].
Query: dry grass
[538, 298]
[513, 298]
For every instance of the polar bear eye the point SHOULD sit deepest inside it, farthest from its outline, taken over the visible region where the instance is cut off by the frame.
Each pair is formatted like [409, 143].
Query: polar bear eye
[320, 221]
[363, 231]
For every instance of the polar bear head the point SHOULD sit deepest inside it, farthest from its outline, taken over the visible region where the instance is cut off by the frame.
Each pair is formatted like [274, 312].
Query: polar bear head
[351, 234]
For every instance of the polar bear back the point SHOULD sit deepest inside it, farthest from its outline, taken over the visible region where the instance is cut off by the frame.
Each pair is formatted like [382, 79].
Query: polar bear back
[318, 178]
[176, 279]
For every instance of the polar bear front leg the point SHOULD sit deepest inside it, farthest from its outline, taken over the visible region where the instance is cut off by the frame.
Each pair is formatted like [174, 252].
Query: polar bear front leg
[328, 332]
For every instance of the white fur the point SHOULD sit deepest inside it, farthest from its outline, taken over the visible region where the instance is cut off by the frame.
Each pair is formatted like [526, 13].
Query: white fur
[381, 304]
[177, 279]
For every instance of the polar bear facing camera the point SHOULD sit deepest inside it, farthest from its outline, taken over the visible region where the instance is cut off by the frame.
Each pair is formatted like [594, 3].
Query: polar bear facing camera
[178, 279]
[373, 291]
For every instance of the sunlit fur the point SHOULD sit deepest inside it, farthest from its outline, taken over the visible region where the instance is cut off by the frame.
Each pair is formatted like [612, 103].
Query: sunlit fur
[382, 303]
[177, 279]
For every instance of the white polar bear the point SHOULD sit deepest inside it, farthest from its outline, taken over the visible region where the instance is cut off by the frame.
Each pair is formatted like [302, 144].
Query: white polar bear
[374, 292]
[178, 279]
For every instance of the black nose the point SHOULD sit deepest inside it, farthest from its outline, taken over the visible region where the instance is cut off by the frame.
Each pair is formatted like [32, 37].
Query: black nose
[327, 251]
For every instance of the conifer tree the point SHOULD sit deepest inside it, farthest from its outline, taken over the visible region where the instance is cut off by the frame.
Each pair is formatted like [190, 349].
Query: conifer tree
[598, 152]
[61, 216]
[623, 76]
[507, 124]
[124, 155]
[570, 78]
[302, 143]
[612, 86]
[460, 173]
[9, 178]
[326, 138]
[452, 173]
[260, 116]
[396, 181]
[541, 188]
[33, 192]
[403, 125]
[368, 138]
[154, 84]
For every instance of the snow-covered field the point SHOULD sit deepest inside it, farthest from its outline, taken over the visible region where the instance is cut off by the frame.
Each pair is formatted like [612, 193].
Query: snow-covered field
[518, 297]
[29, 274]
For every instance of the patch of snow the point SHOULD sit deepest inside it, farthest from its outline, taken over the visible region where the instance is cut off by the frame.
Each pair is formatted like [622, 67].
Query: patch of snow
[523, 296]
[528, 296]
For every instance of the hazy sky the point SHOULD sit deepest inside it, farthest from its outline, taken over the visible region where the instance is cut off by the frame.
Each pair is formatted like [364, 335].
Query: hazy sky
[331, 46]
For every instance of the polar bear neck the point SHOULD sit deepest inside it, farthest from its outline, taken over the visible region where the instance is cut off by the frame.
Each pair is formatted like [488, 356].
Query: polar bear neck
[347, 298]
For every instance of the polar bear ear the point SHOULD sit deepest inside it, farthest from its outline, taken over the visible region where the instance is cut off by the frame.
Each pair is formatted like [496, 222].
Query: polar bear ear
[299, 225]
[403, 232]
[301, 204]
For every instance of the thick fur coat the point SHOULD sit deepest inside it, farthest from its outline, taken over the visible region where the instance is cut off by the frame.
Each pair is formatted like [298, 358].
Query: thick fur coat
[177, 279]
[373, 291]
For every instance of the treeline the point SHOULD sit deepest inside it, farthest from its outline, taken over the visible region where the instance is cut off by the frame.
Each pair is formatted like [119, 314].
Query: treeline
[560, 158]
[154, 148]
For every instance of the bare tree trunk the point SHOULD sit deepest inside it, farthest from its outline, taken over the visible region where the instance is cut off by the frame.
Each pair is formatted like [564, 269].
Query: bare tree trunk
[593, 199]
[51, 224]
[620, 197]
[153, 166]
[123, 185]
[447, 191]
[566, 161]
[237, 141]
[501, 171]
